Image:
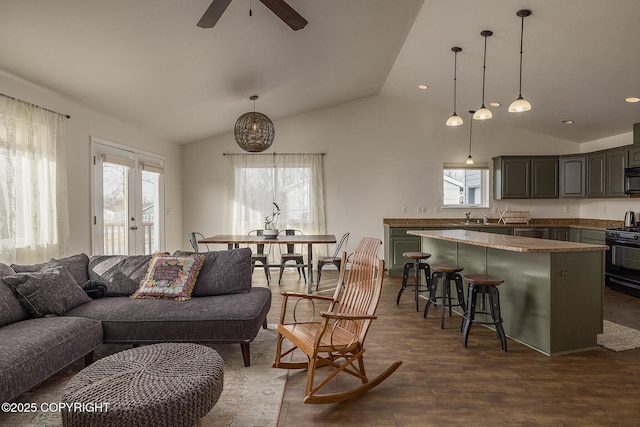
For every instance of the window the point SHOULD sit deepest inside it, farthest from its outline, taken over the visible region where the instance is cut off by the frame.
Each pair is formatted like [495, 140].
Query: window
[465, 185]
[34, 224]
[293, 181]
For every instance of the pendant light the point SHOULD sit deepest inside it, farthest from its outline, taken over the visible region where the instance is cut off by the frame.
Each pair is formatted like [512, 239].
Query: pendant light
[455, 120]
[470, 159]
[254, 131]
[521, 104]
[484, 113]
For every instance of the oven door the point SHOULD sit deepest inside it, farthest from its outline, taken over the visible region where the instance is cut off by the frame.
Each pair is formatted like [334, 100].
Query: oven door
[623, 265]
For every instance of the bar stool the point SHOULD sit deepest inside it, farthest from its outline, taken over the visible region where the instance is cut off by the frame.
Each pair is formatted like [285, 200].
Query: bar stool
[483, 284]
[449, 273]
[421, 266]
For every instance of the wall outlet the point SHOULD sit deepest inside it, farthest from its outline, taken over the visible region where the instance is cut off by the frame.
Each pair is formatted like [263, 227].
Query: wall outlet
[425, 209]
[418, 209]
[404, 209]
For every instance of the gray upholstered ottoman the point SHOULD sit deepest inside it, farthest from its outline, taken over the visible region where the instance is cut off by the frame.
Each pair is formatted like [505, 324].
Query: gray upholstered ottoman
[169, 384]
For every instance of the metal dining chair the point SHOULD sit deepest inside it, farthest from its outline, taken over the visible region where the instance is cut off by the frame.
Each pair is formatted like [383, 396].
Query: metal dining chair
[193, 237]
[291, 255]
[260, 256]
[336, 259]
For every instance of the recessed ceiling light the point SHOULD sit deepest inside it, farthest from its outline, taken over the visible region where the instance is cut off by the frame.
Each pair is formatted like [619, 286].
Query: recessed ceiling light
[495, 104]
[568, 122]
[423, 86]
[632, 99]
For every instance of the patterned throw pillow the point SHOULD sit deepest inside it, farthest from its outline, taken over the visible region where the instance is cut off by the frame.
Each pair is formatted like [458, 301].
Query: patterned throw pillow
[170, 277]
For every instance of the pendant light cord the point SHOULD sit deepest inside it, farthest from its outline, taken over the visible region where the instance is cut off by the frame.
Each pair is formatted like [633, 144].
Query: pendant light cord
[470, 132]
[484, 69]
[455, 78]
[521, 38]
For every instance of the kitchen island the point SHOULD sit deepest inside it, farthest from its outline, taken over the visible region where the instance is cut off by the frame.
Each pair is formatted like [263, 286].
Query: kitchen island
[552, 296]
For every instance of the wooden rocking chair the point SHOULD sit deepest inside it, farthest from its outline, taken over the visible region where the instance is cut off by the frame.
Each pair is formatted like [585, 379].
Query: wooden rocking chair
[336, 339]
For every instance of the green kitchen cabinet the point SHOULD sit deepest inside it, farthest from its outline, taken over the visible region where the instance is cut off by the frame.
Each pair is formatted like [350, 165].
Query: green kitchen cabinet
[559, 233]
[530, 177]
[573, 176]
[594, 237]
[634, 155]
[596, 175]
[616, 162]
[396, 242]
[544, 177]
[575, 235]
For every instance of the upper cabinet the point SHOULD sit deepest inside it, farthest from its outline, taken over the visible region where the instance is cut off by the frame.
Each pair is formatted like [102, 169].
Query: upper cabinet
[616, 162]
[573, 176]
[634, 157]
[531, 177]
[595, 175]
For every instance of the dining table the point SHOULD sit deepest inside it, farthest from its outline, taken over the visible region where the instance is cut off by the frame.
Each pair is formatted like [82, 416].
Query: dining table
[235, 240]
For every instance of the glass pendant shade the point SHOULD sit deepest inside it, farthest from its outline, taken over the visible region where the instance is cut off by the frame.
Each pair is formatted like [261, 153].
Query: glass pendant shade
[469, 160]
[519, 105]
[254, 132]
[454, 120]
[483, 114]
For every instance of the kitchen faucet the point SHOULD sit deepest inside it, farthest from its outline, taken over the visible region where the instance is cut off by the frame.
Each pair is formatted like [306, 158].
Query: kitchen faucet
[467, 215]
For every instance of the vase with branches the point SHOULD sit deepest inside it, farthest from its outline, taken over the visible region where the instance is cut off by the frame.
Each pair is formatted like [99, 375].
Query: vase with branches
[270, 220]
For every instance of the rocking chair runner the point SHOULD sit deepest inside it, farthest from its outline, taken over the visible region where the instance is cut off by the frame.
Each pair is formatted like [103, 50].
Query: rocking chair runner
[340, 332]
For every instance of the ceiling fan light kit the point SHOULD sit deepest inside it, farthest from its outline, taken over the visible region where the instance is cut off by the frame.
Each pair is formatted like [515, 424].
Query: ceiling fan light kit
[254, 132]
[455, 120]
[521, 104]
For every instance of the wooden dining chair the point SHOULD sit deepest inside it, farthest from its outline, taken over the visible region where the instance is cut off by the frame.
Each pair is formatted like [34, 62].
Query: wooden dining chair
[292, 255]
[336, 339]
[260, 256]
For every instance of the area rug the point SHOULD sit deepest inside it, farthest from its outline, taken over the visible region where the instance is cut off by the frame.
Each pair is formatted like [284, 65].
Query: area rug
[251, 396]
[618, 338]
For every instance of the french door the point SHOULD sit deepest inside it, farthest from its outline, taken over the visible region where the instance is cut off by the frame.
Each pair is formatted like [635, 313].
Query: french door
[128, 200]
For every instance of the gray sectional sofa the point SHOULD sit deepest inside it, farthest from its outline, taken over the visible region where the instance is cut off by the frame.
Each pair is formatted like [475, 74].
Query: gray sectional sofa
[35, 343]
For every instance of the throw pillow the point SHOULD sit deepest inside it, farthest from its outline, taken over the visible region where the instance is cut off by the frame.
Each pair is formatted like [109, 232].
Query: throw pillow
[76, 265]
[170, 277]
[50, 291]
[223, 272]
[11, 310]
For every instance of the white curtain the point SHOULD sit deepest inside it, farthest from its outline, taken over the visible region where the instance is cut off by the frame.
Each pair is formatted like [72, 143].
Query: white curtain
[293, 181]
[34, 223]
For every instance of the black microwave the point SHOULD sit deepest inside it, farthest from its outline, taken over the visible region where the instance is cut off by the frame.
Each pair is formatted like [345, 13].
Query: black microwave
[632, 180]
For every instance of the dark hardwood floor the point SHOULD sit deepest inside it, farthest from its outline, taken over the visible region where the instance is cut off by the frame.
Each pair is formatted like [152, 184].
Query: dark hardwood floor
[441, 383]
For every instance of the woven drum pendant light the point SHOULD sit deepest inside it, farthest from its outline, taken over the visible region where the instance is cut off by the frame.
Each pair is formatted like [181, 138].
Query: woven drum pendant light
[484, 113]
[455, 119]
[521, 104]
[254, 131]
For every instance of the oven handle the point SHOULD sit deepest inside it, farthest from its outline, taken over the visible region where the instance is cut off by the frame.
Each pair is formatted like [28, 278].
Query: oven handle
[614, 242]
[620, 282]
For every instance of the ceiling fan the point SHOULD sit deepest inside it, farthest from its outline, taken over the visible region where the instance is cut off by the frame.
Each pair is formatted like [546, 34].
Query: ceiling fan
[279, 7]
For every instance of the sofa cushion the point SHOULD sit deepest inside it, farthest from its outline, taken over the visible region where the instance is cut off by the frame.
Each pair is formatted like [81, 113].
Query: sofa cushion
[225, 318]
[170, 277]
[223, 272]
[48, 291]
[77, 265]
[10, 308]
[121, 273]
[41, 347]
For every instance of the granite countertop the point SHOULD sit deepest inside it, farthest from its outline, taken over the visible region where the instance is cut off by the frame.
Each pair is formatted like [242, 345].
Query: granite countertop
[594, 224]
[506, 242]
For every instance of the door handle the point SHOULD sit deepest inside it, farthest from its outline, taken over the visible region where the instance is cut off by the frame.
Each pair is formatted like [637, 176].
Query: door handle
[135, 227]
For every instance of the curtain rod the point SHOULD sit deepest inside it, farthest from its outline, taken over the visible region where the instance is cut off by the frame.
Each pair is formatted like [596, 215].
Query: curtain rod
[264, 154]
[46, 109]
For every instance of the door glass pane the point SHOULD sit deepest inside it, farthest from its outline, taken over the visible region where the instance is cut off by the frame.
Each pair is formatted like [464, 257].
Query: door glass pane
[150, 217]
[114, 184]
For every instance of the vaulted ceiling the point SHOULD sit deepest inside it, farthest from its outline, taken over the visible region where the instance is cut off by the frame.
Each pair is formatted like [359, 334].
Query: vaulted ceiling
[147, 63]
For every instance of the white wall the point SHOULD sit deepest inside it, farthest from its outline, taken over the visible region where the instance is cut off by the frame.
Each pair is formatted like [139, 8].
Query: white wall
[381, 154]
[84, 123]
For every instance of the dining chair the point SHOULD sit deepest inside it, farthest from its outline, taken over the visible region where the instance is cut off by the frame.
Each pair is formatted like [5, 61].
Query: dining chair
[336, 259]
[260, 256]
[291, 255]
[193, 237]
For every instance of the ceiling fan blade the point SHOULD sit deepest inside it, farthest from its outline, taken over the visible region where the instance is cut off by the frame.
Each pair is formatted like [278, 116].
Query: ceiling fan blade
[213, 13]
[286, 13]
